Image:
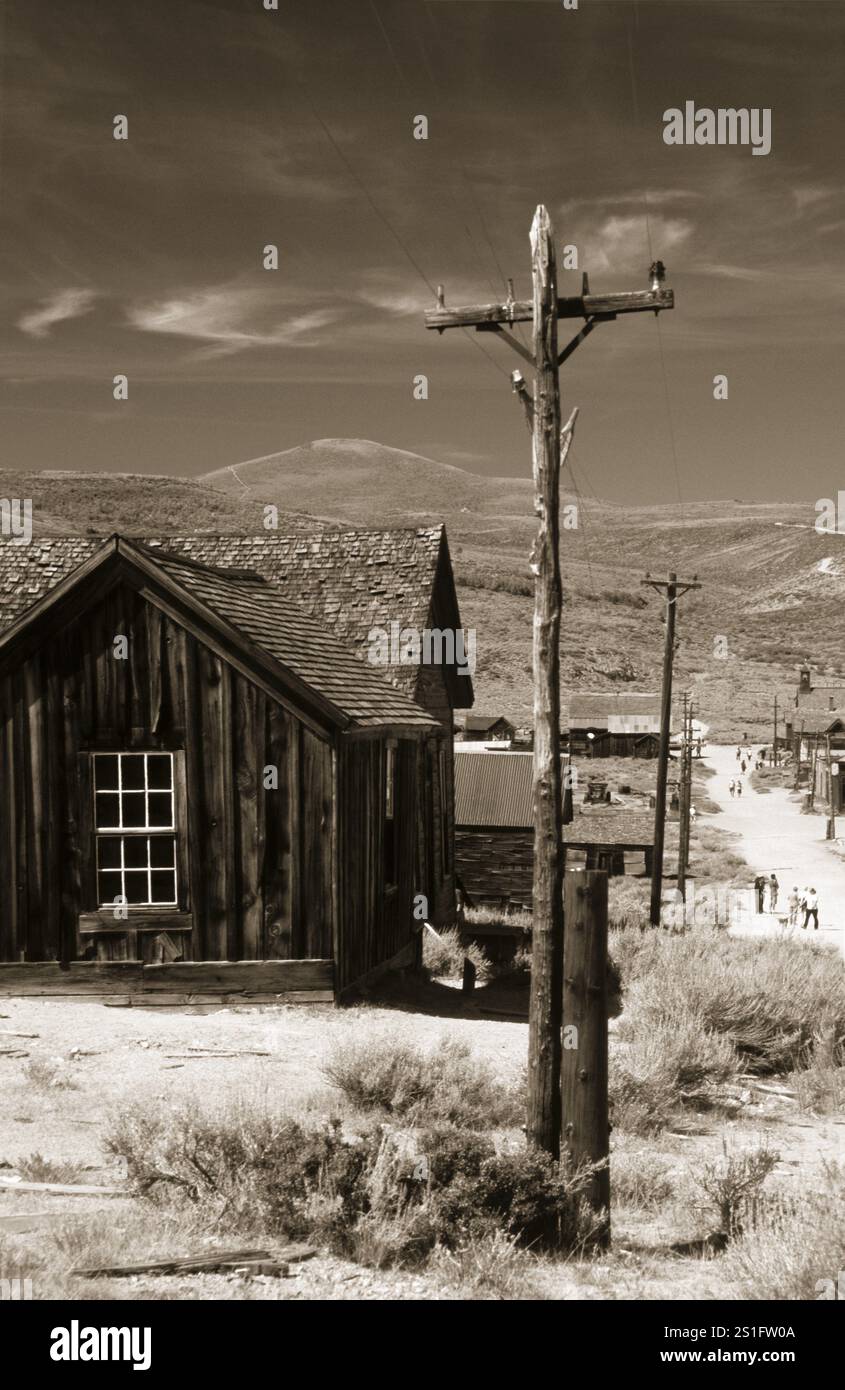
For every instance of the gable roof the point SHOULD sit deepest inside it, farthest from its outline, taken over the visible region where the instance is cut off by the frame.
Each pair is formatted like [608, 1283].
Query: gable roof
[351, 580]
[256, 622]
[819, 721]
[591, 708]
[480, 723]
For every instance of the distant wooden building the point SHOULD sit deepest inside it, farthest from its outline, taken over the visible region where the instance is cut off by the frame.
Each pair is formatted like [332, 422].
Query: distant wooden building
[494, 836]
[197, 768]
[818, 710]
[615, 725]
[485, 728]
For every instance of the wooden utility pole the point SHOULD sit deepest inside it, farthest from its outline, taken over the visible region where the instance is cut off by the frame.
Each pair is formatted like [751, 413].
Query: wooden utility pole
[775, 736]
[831, 832]
[674, 589]
[586, 1130]
[685, 798]
[542, 410]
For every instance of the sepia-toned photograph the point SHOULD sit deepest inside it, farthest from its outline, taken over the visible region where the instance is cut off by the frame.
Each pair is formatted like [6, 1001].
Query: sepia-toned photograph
[422, 717]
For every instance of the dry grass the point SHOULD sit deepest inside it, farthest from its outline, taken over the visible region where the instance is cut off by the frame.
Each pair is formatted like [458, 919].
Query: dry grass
[443, 1083]
[444, 955]
[796, 1249]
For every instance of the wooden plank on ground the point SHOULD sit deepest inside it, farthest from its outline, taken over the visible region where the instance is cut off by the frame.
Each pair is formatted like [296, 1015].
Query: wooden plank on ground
[65, 1189]
[205, 1263]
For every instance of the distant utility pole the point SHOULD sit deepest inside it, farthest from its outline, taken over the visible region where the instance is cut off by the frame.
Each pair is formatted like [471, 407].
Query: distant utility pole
[674, 589]
[542, 410]
[831, 834]
[775, 736]
[685, 798]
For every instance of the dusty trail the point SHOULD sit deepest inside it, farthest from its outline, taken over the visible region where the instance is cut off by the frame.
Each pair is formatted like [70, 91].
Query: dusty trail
[773, 836]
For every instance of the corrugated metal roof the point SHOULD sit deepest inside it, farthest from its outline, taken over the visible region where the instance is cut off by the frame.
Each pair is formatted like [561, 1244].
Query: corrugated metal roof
[494, 789]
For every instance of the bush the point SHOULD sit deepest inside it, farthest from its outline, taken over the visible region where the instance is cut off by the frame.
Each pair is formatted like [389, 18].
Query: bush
[444, 954]
[734, 1182]
[795, 1247]
[443, 1083]
[662, 1066]
[640, 1180]
[379, 1199]
[252, 1166]
[776, 1002]
[36, 1168]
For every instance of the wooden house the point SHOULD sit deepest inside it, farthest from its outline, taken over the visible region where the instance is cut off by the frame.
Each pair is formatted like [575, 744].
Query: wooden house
[198, 767]
[485, 728]
[494, 835]
[818, 710]
[615, 725]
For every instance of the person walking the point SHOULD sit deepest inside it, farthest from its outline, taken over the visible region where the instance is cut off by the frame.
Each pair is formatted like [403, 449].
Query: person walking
[732, 787]
[811, 909]
[759, 889]
[742, 766]
[738, 754]
[794, 902]
[774, 888]
[738, 787]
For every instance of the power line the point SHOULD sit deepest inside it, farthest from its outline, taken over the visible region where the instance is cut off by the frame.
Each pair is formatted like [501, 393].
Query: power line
[636, 107]
[389, 225]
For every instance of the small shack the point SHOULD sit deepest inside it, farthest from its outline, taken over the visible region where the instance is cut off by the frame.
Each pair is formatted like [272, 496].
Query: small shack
[494, 830]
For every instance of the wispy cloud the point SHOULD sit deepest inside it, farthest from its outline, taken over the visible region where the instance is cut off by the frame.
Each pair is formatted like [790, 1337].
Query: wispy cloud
[620, 243]
[232, 320]
[64, 304]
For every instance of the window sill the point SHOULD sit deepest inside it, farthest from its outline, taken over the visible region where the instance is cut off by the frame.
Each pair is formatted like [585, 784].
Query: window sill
[138, 918]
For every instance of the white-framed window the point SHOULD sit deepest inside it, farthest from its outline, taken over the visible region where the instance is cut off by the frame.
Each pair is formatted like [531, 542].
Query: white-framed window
[135, 828]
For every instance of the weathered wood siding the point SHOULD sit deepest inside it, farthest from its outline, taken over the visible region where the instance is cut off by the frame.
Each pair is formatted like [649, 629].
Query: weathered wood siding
[496, 865]
[259, 860]
[436, 819]
[376, 920]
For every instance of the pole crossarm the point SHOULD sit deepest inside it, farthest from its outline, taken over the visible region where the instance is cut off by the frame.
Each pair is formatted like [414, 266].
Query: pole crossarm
[678, 586]
[582, 306]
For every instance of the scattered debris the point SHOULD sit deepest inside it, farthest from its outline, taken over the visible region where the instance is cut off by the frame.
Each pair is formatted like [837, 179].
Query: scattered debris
[217, 1261]
[70, 1189]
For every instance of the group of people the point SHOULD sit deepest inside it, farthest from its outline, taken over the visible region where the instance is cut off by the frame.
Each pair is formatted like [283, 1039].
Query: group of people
[806, 901]
[744, 757]
[735, 785]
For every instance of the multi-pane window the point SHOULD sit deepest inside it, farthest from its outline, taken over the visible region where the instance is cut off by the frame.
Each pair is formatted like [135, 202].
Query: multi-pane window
[134, 819]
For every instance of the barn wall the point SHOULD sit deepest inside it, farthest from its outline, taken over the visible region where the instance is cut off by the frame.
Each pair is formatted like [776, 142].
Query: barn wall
[496, 865]
[259, 860]
[376, 921]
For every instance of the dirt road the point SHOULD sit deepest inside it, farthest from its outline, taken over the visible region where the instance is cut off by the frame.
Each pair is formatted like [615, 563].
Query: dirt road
[775, 837]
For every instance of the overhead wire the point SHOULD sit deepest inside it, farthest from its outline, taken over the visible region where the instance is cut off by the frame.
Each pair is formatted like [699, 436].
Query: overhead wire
[636, 108]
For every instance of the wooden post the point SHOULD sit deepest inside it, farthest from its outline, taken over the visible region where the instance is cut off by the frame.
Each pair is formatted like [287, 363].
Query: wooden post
[663, 751]
[674, 589]
[775, 737]
[586, 1128]
[686, 799]
[831, 830]
[544, 1019]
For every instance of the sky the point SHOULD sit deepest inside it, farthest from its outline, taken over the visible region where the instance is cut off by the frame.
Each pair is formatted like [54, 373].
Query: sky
[249, 127]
